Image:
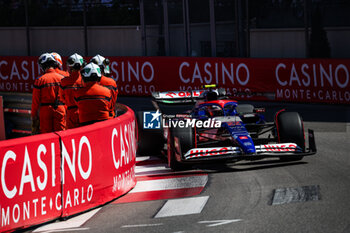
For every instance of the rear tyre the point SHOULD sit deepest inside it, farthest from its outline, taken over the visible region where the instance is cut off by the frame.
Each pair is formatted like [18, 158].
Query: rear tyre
[290, 129]
[184, 138]
[150, 141]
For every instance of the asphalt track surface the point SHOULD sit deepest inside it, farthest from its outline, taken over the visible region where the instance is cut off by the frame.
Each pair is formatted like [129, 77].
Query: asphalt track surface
[311, 195]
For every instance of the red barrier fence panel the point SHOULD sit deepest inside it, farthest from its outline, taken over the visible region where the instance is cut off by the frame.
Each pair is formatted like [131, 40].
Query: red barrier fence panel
[30, 181]
[98, 163]
[47, 176]
[296, 80]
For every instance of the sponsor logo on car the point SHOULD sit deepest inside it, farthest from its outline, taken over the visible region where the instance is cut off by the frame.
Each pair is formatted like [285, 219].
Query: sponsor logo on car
[180, 94]
[199, 152]
[279, 147]
[215, 151]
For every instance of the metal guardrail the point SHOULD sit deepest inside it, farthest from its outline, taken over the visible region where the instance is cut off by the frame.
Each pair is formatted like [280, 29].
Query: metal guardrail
[17, 110]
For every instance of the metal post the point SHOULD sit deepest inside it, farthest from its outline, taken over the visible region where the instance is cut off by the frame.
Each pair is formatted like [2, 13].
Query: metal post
[306, 28]
[242, 41]
[143, 28]
[212, 28]
[247, 29]
[86, 51]
[27, 27]
[237, 28]
[186, 21]
[166, 27]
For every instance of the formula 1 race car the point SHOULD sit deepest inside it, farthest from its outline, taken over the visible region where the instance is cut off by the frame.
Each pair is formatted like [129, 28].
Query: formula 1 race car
[218, 128]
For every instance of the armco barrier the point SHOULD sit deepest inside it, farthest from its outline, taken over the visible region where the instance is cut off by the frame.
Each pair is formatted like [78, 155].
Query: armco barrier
[17, 110]
[54, 175]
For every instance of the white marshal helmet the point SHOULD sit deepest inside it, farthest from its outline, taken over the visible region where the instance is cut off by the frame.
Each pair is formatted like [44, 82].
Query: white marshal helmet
[91, 72]
[103, 63]
[75, 62]
[58, 59]
[98, 60]
[46, 60]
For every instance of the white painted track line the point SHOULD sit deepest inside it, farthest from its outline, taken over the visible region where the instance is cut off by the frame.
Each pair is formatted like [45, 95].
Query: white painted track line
[183, 206]
[149, 158]
[143, 225]
[171, 183]
[71, 223]
[151, 169]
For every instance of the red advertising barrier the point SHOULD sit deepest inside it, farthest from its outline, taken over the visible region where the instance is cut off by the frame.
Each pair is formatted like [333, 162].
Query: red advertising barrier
[30, 181]
[98, 163]
[48, 176]
[297, 80]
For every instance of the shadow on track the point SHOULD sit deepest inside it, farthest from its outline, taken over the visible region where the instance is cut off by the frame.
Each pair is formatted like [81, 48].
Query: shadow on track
[245, 166]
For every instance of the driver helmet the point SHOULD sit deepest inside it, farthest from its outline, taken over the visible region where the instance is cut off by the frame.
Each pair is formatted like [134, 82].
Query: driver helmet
[75, 62]
[46, 60]
[58, 59]
[103, 63]
[91, 73]
[210, 95]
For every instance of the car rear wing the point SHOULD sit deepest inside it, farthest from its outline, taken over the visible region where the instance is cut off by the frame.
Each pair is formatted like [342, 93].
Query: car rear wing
[177, 97]
[189, 96]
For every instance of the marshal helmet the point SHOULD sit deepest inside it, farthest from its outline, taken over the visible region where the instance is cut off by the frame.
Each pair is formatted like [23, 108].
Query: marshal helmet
[58, 59]
[46, 60]
[91, 73]
[75, 62]
[103, 63]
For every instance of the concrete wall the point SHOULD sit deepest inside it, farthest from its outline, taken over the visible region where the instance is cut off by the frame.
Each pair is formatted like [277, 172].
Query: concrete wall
[290, 43]
[127, 40]
[339, 39]
[13, 41]
[109, 41]
[115, 41]
[62, 40]
[278, 43]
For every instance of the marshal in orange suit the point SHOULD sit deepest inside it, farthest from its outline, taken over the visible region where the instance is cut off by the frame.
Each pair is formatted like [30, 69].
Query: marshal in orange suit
[93, 100]
[46, 105]
[69, 85]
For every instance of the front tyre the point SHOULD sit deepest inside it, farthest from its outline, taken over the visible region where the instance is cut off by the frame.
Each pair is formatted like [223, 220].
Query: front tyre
[150, 141]
[290, 128]
[180, 140]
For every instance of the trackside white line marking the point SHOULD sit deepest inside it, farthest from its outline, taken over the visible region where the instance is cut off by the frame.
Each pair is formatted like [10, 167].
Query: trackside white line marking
[171, 183]
[142, 225]
[67, 230]
[74, 222]
[151, 168]
[184, 206]
[219, 222]
[144, 158]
